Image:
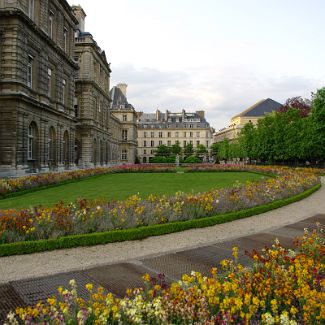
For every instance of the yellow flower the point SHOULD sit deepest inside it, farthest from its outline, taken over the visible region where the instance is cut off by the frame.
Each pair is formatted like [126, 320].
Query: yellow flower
[146, 277]
[235, 252]
[89, 287]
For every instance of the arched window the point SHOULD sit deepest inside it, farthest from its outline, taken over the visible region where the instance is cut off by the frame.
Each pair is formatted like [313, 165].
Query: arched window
[52, 145]
[32, 142]
[66, 147]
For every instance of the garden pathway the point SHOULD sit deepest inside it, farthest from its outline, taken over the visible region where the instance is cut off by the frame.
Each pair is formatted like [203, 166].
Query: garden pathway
[26, 279]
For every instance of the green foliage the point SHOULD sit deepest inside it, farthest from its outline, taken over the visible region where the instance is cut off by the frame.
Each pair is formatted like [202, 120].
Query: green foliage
[188, 150]
[163, 151]
[289, 136]
[201, 150]
[318, 119]
[142, 232]
[176, 149]
[192, 160]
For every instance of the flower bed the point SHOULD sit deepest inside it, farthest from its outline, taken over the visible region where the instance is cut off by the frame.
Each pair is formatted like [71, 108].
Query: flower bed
[84, 217]
[281, 287]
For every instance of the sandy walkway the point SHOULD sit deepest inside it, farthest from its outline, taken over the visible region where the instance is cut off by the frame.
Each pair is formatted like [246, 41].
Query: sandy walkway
[48, 263]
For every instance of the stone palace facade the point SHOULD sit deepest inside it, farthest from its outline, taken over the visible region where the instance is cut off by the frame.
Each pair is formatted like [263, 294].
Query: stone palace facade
[56, 111]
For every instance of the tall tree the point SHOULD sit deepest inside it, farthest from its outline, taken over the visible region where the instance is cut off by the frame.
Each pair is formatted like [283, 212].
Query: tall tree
[318, 118]
[176, 148]
[188, 150]
[162, 151]
[201, 150]
[302, 105]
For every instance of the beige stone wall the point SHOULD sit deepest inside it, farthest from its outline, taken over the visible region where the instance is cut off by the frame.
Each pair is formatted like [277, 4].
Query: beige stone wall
[128, 133]
[168, 137]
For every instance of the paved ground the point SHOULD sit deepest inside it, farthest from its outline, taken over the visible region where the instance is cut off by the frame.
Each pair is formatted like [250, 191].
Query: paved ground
[26, 279]
[118, 277]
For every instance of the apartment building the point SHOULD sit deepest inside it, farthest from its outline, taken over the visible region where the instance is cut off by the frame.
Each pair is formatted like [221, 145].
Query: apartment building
[167, 128]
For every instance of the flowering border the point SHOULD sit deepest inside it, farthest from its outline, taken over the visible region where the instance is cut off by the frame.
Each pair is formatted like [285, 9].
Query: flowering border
[91, 239]
[281, 286]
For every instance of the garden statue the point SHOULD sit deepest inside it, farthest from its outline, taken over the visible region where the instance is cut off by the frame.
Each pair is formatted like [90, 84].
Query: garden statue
[177, 160]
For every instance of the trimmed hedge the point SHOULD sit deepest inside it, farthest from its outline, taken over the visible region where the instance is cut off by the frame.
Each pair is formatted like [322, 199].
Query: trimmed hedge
[142, 232]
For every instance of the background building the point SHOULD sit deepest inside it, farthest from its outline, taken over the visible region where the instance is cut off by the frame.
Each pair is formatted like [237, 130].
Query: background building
[251, 114]
[167, 128]
[126, 115]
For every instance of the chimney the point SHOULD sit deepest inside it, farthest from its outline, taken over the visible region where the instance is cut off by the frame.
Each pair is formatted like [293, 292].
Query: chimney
[80, 15]
[122, 87]
[200, 114]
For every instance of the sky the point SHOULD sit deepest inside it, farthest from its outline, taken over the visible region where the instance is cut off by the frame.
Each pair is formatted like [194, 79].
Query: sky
[220, 56]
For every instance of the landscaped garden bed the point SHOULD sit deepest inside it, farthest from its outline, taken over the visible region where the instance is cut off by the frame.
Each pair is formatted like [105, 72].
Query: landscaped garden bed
[280, 287]
[89, 222]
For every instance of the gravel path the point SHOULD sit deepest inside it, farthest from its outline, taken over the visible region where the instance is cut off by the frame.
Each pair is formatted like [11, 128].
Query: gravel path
[53, 262]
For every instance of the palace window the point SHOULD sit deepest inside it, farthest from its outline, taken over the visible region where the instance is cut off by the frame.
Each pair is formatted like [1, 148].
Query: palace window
[184, 134]
[169, 134]
[176, 134]
[160, 134]
[31, 9]
[197, 142]
[49, 82]
[51, 16]
[63, 91]
[125, 118]
[124, 135]
[30, 71]
[160, 143]
[197, 134]
[32, 141]
[144, 134]
[145, 143]
[152, 143]
[65, 39]
[184, 143]
[124, 155]
[191, 134]
[152, 134]
[169, 143]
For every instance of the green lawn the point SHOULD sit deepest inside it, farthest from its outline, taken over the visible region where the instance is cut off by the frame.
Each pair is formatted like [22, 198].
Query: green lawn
[121, 186]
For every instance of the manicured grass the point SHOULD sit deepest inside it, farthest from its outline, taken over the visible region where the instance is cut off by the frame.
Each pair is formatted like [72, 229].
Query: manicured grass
[121, 186]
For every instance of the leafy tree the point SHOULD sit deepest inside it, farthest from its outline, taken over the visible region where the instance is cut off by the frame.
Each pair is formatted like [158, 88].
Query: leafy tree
[201, 150]
[223, 153]
[188, 150]
[215, 147]
[302, 105]
[318, 118]
[176, 149]
[247, 139]
[163, 151]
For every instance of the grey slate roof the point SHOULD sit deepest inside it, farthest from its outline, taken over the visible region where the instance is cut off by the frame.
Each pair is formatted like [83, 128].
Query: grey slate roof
[261, 108]
[119, 101]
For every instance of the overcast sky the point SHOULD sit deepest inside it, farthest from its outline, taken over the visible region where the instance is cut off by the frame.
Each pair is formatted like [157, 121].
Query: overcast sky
[218, 55]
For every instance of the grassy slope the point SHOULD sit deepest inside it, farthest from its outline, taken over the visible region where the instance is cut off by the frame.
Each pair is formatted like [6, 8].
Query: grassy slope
[121, 186]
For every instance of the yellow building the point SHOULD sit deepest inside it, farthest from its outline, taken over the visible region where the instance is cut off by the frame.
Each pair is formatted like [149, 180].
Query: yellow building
[250, 115]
